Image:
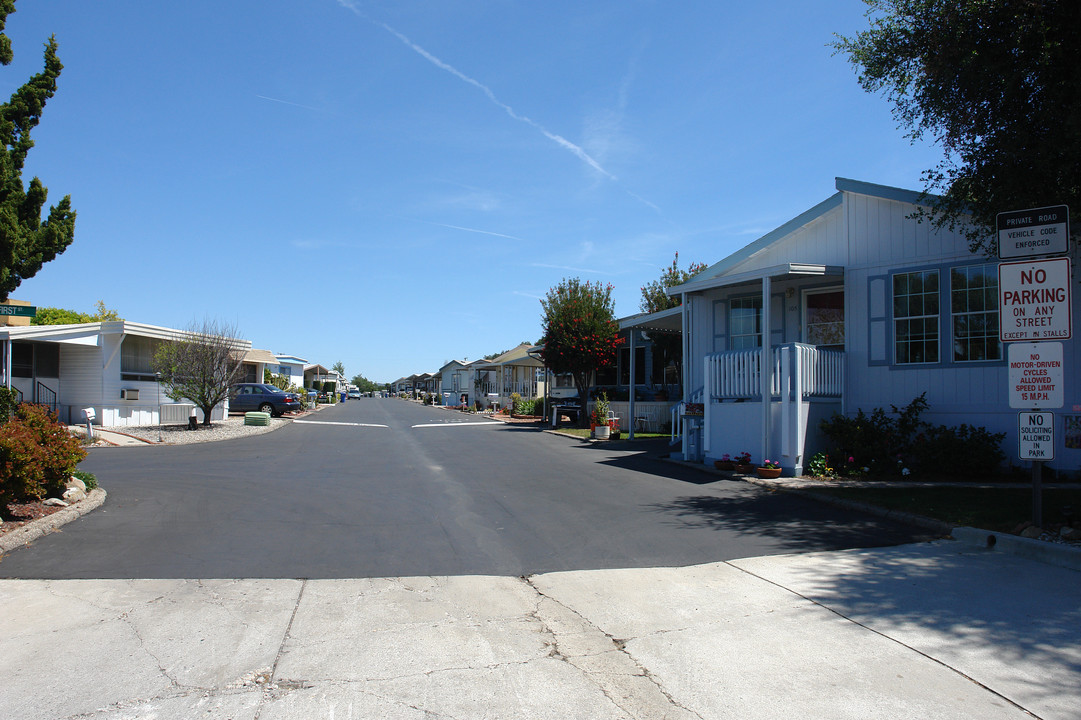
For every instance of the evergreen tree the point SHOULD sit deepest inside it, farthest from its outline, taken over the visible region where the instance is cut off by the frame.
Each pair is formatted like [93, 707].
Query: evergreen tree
[26, 241]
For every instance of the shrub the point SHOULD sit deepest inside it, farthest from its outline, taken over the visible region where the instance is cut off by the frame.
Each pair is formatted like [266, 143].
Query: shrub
[37, 455]
[881, 444]
[9, 400]
[88, 478]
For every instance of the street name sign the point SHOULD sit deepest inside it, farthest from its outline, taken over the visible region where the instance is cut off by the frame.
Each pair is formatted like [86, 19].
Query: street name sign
[19, 310]
[1036, 375]
[1036, 436]
[1034, 232]
[1034, 300]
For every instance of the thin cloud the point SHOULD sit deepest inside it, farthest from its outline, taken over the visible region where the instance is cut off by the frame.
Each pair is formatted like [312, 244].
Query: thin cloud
[473, 230]
[569, 268]
[287, 102]
[558, 139]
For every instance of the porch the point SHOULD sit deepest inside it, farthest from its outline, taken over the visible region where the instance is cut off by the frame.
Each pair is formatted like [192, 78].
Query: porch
[804, 383]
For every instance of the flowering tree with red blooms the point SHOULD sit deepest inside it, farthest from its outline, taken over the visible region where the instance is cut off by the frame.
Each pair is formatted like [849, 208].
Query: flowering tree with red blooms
[580, 333]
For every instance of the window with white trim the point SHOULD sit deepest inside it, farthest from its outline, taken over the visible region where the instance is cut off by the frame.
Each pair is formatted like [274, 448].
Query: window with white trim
[974, 312]
[745, 323]
[916, 317]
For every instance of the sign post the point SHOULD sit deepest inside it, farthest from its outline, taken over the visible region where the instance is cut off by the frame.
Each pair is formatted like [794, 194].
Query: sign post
[1034, 307]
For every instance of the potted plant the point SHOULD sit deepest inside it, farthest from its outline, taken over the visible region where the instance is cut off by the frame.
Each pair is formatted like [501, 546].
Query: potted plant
[769, 470]
[601, 429]
[743, 462]
[725, 463]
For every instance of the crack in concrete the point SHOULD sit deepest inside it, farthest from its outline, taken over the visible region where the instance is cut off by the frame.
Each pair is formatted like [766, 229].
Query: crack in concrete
[619, 694]
[272, 686]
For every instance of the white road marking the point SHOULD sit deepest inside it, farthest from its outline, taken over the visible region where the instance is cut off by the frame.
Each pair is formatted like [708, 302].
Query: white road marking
[457, 424]
[331, 422]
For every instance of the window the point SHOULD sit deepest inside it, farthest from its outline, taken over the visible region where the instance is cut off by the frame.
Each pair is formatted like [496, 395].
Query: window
[136, 358]
[915, 317]
[22, 360]
[974, 309]
[745, 323]
[46, 360]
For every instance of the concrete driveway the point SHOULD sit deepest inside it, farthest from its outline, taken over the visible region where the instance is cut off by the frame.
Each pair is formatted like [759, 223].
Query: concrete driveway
[935, 630]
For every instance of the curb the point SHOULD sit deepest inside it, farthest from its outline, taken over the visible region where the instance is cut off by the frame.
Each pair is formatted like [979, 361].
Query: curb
[1067, 556]
[937, 526]
[42, 526]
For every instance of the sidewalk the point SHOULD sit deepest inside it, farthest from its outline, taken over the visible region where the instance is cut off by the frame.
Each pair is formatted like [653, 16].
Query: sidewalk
[937, 630]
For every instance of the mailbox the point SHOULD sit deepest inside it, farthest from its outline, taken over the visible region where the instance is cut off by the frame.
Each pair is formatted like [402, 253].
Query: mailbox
[90, 414]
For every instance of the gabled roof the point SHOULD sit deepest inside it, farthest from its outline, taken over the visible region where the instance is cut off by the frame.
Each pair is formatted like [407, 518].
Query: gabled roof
[447, 366]
[516, 356]
[748, 251]
[260, 356]
[710, 277]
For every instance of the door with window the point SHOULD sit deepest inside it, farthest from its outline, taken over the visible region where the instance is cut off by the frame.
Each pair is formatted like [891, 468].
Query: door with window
[824, 318]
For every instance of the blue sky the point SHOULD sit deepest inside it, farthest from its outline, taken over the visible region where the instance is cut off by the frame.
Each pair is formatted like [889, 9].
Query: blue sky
[396, 184]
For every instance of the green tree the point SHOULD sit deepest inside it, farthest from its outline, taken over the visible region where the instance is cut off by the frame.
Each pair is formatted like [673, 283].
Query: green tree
[667, 347]
[997, 85]
[654, 295]
[365, 385]
[339, 368]
[580, 333]
[26, 241]
[201, 365]
[61, 316]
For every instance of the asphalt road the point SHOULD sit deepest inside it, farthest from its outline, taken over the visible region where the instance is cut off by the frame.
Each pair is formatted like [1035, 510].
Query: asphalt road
[385, 488]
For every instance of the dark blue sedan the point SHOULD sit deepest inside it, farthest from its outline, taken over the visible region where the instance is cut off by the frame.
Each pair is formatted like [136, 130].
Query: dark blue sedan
[249, 397]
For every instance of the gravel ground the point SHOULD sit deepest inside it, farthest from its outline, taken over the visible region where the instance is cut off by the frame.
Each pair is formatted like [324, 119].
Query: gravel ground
[233, 427]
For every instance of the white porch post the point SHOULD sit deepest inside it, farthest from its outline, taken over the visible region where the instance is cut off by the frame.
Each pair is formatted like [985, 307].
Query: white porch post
[685, 341]
[630, 411]
[7, 363]
[767, 368]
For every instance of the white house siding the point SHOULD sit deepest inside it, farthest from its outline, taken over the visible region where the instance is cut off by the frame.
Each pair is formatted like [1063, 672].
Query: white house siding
[80, 366]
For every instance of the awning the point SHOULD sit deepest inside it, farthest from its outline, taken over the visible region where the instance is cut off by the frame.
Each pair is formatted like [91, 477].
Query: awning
[669, 320]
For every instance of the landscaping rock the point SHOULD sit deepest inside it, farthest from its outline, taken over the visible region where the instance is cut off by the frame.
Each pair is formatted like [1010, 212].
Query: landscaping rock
[56, 502]
[76, 483]
[74, 494]
[1069, 533]
[1032, 532]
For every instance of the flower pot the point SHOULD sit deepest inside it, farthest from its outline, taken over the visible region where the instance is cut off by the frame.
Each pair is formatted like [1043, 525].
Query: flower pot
[724, 465]
[745, 469]
[768, 473]
[601, 432]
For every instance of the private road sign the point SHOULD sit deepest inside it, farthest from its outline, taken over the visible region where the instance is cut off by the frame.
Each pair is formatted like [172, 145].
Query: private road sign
[1032, 233]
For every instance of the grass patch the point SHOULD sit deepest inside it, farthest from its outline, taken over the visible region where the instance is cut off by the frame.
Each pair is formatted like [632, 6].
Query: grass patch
[997, 509]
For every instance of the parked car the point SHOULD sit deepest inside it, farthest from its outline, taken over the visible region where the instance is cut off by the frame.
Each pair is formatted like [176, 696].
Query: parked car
[248, 397]
[354, 394]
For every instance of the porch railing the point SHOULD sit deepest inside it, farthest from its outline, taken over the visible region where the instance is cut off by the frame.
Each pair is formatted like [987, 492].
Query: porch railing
[737, 374]
[45, 395]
